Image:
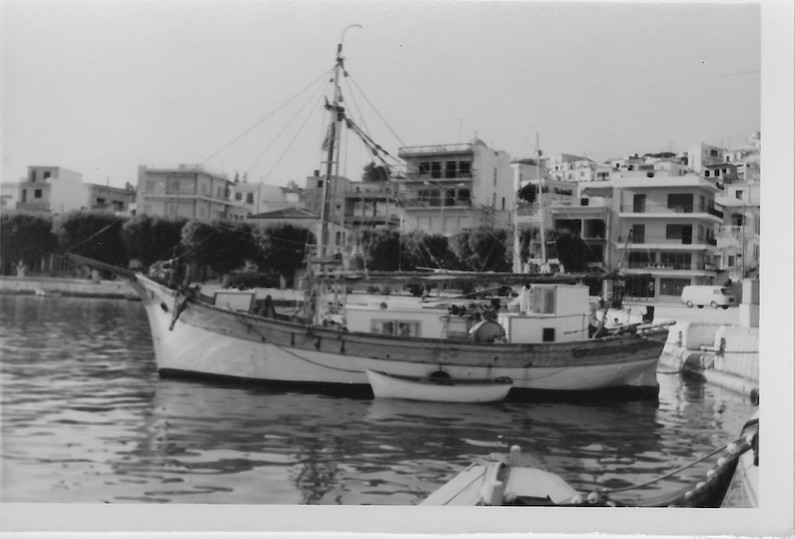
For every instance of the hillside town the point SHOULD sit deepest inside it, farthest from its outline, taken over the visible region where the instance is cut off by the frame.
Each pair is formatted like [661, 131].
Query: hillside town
[672, 219]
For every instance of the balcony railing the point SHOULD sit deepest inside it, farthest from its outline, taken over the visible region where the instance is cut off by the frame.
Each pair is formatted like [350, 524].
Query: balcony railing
[435, 149]
[663, 240]
[440, 178]
[435, 203]
[659, 208]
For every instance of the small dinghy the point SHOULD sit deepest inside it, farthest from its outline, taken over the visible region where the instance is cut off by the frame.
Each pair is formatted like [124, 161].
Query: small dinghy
[439, 387]
[516, 479]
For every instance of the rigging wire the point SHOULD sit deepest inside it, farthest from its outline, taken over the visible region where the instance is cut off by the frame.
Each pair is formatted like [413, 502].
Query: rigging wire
[262, 120]
[376, 111]
[290, 144]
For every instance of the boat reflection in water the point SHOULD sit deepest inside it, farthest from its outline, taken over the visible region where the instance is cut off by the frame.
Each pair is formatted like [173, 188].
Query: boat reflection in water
[86, 419]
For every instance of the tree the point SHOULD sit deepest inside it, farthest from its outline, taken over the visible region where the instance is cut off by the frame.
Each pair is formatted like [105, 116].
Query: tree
[483, 249]
[223, 246]
[381, 250]
[426, 250]
[375, 173]
[94, 235]
[150, 239]
[528, 193]
[25, 238]
[573, 252]
[283, 249]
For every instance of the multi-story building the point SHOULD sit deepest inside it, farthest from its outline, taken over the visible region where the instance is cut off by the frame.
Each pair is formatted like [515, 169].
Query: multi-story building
[258, 197]
[535, 218]
[9, 195]
[664, 231]
[738, 237]
[704, 154]
[449, 187]
[371, 205]
[189, 191]
[572, 168]
[55, 190]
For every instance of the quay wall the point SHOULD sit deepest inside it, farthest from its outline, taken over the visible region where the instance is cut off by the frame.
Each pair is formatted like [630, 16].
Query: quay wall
[67, 287]
[726, 355]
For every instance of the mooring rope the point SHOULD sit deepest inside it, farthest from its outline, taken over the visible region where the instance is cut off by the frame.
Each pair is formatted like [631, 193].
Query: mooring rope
[742, 441]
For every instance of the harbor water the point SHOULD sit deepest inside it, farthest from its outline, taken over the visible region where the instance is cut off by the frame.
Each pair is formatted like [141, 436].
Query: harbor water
[86, 418]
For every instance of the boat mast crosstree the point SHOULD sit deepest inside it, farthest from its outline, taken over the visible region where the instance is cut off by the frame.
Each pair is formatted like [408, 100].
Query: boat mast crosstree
[540, 340]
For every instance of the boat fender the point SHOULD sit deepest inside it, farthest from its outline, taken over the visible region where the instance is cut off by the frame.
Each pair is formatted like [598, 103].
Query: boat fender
[596, 498]
[579, 499]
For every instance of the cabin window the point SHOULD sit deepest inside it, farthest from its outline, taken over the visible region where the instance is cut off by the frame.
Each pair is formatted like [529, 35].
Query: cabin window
[548, 335]
[395, 328]
[543, 300]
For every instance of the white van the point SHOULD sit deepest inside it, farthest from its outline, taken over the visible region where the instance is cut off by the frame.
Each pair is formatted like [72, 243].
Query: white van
[715, 296]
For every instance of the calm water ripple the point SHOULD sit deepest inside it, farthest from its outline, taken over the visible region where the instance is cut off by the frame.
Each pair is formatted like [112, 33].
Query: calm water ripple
[87, 419]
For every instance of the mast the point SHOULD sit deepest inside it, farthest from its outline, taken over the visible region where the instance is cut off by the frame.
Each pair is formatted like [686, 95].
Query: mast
[542, 175]
[335, 125]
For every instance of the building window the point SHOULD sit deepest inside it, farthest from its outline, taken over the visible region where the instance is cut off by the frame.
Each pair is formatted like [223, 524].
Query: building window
[677, 261]
[638, 234]
[706, 173]
[37, 193]
[450, 169]
[639, 203]
[464, 168]
[46, 174]
[503, 203]
[731, 261]
[680, 202]
[100, 200]
[33, 175]
[673, 287]
[238, 196]
[425, 168]
[738, 194]
[679, 232]
[250, 198]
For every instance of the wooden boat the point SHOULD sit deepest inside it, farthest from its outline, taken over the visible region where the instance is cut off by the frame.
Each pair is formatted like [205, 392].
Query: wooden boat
[542, 345]
[744, 488]
[438, 387]
[517, 480]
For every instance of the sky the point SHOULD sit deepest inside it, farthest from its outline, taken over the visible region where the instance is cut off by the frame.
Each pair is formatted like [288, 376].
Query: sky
[103, 86]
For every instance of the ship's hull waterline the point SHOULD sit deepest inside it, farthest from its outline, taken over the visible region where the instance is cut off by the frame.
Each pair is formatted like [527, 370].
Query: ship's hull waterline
[208, 341]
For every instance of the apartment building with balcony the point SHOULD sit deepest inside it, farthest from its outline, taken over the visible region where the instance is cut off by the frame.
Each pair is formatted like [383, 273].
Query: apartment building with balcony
[449, 187]
[661, 230]
[738, 238]
[530, 217]
[372, 205]
[189, 191]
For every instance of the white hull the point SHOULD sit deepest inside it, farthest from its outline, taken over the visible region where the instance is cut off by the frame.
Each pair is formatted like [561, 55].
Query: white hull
[211, 341]
[385, 386]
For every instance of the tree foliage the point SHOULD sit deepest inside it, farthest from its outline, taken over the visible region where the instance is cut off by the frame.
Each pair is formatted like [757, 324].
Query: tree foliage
[421, 250]
[382, 250]
[223, 246]
[573, 252]
[283, 249]
[25, 237]
[94, 235]
[482, 249]
[375, 173]
[528, 193]
[150, 239]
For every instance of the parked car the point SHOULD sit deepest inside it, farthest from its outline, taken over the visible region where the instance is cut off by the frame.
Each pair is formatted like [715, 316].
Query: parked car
[714, 296]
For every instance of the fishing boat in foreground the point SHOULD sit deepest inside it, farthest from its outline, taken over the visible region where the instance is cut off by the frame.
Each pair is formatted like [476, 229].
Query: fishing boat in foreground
[517, 480]
[542, 342]
[438, 388]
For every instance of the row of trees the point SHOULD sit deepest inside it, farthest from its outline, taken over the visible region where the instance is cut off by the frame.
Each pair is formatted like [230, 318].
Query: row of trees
[279, 249]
